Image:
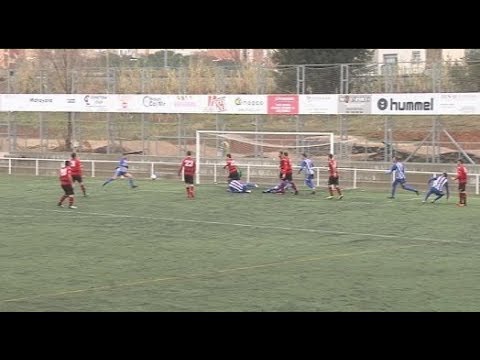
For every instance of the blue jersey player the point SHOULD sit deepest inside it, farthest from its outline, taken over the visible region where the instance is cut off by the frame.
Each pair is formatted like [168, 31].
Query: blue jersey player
[307, 167]
[400, 179]
[122, 170]
[437, 186]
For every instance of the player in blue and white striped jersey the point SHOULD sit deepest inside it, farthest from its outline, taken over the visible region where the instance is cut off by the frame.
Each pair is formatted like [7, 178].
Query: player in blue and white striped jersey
[438, 183]
[236, 186]
[307, 167]
[400, 178]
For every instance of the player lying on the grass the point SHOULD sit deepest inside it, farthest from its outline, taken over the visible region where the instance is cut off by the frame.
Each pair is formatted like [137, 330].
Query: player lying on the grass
[237, 186]
[278, 189]
[438, 183]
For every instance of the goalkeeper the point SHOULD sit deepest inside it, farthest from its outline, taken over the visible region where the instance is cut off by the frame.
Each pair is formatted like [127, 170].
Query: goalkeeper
[122, 171]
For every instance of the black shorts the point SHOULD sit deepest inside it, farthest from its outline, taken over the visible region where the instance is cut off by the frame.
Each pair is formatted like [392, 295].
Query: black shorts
[68, 189]
[77, 178]
[462, 186]
[333, 180]
[288, 177]
[233, 176]
[188, 179]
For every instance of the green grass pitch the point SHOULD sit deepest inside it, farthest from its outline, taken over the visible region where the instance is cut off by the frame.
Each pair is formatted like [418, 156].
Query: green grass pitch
[151, 249]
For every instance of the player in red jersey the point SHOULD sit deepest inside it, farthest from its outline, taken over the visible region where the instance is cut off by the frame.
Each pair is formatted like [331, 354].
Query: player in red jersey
[286, 171]
[232, 169]
[461, 177]
[66, 182]
[188, 166]
[76, 166]
[333, 177]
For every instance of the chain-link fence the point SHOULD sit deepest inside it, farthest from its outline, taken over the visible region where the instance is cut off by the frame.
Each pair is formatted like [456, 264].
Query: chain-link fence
[430, 138]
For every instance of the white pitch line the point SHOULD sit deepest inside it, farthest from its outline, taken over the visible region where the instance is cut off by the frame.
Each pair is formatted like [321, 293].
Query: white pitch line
[192, 276]
[334, 232]
[160, 191]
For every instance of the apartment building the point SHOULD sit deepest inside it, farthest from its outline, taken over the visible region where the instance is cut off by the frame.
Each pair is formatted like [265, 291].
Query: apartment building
[414, 60]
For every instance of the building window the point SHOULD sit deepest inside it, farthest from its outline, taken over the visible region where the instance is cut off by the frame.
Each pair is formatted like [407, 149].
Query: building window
[416, 56]
[390, 59]
[390, 62]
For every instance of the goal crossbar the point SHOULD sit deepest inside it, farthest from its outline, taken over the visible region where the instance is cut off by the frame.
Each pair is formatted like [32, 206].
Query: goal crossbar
[242, 136]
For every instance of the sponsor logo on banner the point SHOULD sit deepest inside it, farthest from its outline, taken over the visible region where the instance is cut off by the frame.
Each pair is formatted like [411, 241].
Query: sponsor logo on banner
[318, 104]
[124, 101]
[246, 102]
[392, 104]
[462, 103]
[185, 101]
[41, 100]
[282, 104]
[354, 104]
[71, 101]
[249, 104]
[459, 96]
[317, 98]
[216, 103]
[95, 100]
[153, 101]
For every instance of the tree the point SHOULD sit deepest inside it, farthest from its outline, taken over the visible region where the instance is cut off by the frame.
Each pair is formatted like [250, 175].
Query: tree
[165, 59]
[322, 70]
[465, 75]
[59, 63]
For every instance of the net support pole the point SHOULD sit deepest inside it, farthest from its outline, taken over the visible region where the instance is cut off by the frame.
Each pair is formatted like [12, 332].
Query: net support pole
[331, 143]
[197, 158]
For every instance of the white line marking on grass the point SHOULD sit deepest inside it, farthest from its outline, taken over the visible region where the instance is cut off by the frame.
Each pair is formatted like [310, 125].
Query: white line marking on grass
[334, 232]
[18, 216]
[161, 191]
[209, 274]
[333, 200]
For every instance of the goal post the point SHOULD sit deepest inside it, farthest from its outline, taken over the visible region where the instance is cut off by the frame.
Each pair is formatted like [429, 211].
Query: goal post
[254, 148]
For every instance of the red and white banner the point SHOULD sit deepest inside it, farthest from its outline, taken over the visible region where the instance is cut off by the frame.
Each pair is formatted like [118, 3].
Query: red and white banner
[282, 104]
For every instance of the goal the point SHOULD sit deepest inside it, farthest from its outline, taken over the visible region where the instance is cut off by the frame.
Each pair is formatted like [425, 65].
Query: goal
[254, 151]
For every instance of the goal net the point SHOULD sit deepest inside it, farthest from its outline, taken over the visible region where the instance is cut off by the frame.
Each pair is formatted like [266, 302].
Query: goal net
[255, 153]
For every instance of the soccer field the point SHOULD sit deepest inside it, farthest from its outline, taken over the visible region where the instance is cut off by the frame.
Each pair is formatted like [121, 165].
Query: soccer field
[151, 249]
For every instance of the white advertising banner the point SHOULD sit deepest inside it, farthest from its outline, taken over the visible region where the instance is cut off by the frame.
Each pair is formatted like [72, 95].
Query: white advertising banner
[246, 104]
[405, 104]
[458, 104]
[148, 103]
[375, 104]
[189, 104]
[39, 102]
[317, 104]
